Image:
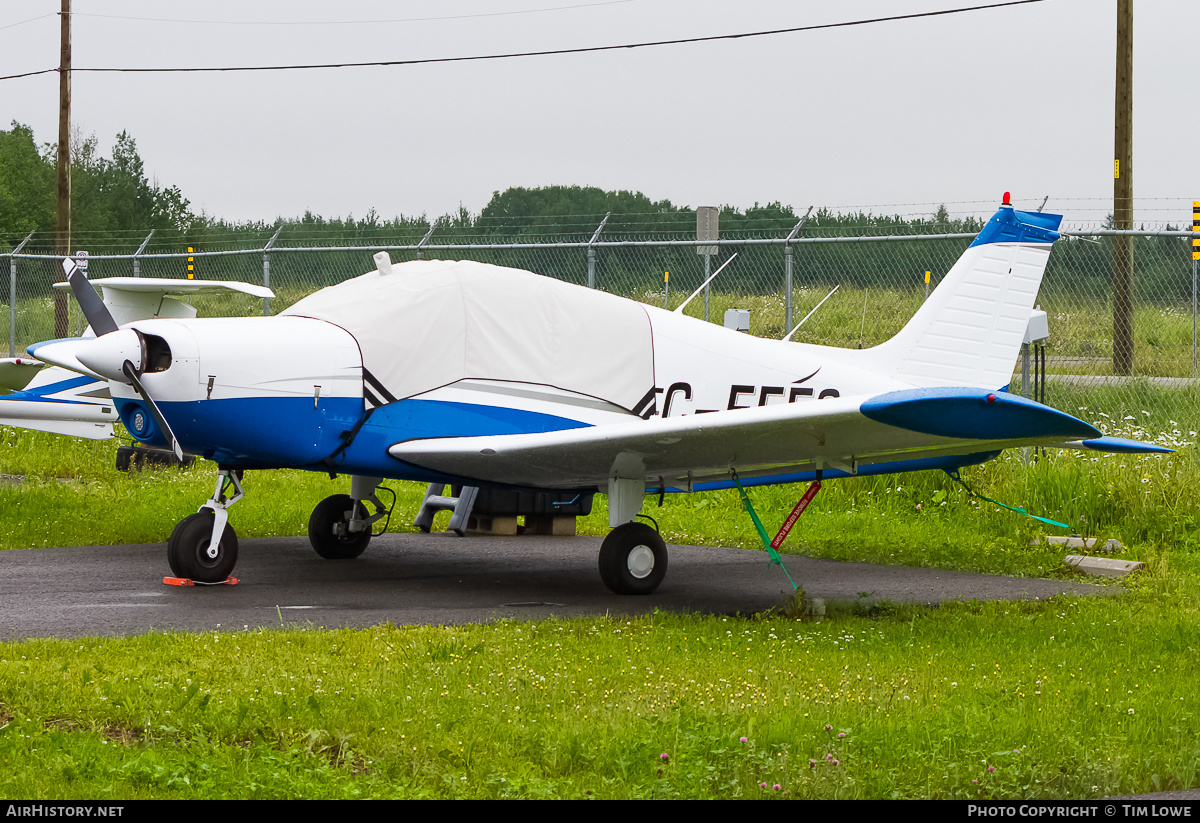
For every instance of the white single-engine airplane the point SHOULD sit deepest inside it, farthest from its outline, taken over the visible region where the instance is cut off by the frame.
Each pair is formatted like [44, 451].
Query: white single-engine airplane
[471, 374]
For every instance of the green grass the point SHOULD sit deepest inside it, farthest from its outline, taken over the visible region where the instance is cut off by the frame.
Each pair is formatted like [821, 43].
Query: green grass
[1068, 698]
[1028, 700]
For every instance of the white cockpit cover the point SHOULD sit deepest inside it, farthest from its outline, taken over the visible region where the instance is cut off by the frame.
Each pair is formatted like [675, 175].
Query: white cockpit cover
[431, 323]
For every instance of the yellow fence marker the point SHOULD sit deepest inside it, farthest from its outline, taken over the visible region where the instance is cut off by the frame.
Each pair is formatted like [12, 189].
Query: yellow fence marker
[1196, 227]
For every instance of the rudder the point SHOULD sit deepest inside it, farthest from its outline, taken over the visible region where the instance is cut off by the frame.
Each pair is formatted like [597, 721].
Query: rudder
[969, 331]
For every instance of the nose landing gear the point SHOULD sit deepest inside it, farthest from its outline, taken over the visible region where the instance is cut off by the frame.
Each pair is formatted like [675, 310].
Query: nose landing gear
[203, 547]
[192, 555]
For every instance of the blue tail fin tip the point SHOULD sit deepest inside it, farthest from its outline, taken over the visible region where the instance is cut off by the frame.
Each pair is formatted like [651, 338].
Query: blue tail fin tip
[1008, 225]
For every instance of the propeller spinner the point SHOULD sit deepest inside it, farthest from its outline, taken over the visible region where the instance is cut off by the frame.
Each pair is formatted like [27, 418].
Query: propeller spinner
[117, 354]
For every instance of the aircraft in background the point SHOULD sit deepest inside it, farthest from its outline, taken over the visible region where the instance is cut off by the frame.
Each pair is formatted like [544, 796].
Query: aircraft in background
[474, 375]
[61, 400]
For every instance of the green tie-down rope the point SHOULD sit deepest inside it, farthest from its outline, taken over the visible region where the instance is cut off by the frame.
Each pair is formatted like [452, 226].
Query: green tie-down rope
[955, 476]
[762, 533]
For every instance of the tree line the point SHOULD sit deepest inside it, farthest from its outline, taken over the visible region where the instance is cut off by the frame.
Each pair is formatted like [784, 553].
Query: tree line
[112, 195]
[114, 205]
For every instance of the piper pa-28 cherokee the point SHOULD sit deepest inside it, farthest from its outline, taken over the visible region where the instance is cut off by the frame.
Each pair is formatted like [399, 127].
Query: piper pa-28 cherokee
[476, 375]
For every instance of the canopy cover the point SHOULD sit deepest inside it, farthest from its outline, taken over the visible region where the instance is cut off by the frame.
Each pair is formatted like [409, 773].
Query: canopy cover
[430, 323]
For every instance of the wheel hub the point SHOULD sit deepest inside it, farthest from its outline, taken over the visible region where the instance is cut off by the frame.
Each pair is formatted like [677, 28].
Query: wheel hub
[640, 562]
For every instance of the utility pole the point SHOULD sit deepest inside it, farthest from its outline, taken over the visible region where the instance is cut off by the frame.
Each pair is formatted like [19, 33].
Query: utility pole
[1123, 195]
[63, 235]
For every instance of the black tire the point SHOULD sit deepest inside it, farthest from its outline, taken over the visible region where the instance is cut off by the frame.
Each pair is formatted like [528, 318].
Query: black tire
[633, 559]
[327, 514]
[187, 549]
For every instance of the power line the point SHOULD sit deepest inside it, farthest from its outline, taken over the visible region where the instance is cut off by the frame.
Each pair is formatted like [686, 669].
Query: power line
[30, 20]
[708, 39]
[353, 22]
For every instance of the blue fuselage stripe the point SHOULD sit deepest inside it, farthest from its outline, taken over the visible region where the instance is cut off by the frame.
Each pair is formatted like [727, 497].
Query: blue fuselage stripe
[40, 394]
[293, 432]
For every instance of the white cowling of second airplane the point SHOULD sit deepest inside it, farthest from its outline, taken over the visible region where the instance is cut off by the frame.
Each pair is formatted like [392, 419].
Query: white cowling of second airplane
[106, 355]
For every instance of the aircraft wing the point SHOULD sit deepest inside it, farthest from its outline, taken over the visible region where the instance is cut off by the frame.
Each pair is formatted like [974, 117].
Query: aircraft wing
[767, 441]
[16, 372]
[61, 402]
[174, 285]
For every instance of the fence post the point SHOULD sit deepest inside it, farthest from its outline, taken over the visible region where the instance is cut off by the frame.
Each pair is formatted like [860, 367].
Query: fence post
[592, 252]
[424, 240]
[137, 271]
[787, 270]
[1195, 256]
[267, 269]
[12, 306]
[787, 286]
[12, 296]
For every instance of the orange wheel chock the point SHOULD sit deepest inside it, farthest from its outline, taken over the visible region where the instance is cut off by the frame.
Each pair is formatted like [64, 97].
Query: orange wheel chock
[183, 581]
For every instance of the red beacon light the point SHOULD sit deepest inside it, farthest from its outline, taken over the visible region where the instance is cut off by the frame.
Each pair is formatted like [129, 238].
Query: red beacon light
[1007, 199]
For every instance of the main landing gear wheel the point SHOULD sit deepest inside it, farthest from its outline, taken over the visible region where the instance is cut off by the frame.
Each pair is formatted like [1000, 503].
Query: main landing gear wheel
[329, 528]
[633, 559]
[191, 555]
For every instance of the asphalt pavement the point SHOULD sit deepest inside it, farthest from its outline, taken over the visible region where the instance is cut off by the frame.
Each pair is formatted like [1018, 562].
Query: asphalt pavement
[437, 579]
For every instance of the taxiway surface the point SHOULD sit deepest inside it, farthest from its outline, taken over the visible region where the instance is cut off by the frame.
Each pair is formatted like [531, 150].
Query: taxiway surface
[435, 579]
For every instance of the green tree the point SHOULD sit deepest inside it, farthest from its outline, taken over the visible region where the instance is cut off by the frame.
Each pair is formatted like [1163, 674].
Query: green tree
[26, 186]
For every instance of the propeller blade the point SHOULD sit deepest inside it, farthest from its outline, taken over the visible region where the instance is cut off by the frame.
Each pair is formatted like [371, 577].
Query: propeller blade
[163, 426]
[93, 307]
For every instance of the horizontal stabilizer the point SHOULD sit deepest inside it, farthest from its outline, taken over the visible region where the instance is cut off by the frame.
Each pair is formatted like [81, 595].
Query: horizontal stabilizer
[1114, 445]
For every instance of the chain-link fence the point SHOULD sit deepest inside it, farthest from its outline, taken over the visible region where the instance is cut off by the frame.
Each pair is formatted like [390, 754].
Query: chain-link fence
[881, 281]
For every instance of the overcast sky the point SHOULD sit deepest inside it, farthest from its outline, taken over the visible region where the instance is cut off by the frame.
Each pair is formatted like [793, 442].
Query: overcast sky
[893, 117]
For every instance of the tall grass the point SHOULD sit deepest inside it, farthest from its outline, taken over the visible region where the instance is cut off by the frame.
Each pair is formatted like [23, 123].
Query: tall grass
[1067, 698]
[1032, 700]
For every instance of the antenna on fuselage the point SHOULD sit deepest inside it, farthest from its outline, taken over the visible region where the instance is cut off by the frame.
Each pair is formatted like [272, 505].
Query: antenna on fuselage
[679, 310]
[811, 313]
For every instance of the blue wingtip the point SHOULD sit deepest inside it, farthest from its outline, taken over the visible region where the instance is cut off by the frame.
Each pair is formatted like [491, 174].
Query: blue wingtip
[975, 414]
[35, 346]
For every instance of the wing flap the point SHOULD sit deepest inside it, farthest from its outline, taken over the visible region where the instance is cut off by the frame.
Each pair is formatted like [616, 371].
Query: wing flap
[70, 428]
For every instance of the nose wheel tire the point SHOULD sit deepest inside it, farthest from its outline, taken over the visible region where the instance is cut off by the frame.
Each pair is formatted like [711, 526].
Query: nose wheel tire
[329, 529]
[191, 555]
[633, 559]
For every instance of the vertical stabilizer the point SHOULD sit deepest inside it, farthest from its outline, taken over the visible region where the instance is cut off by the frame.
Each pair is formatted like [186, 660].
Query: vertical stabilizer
[969, 331]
